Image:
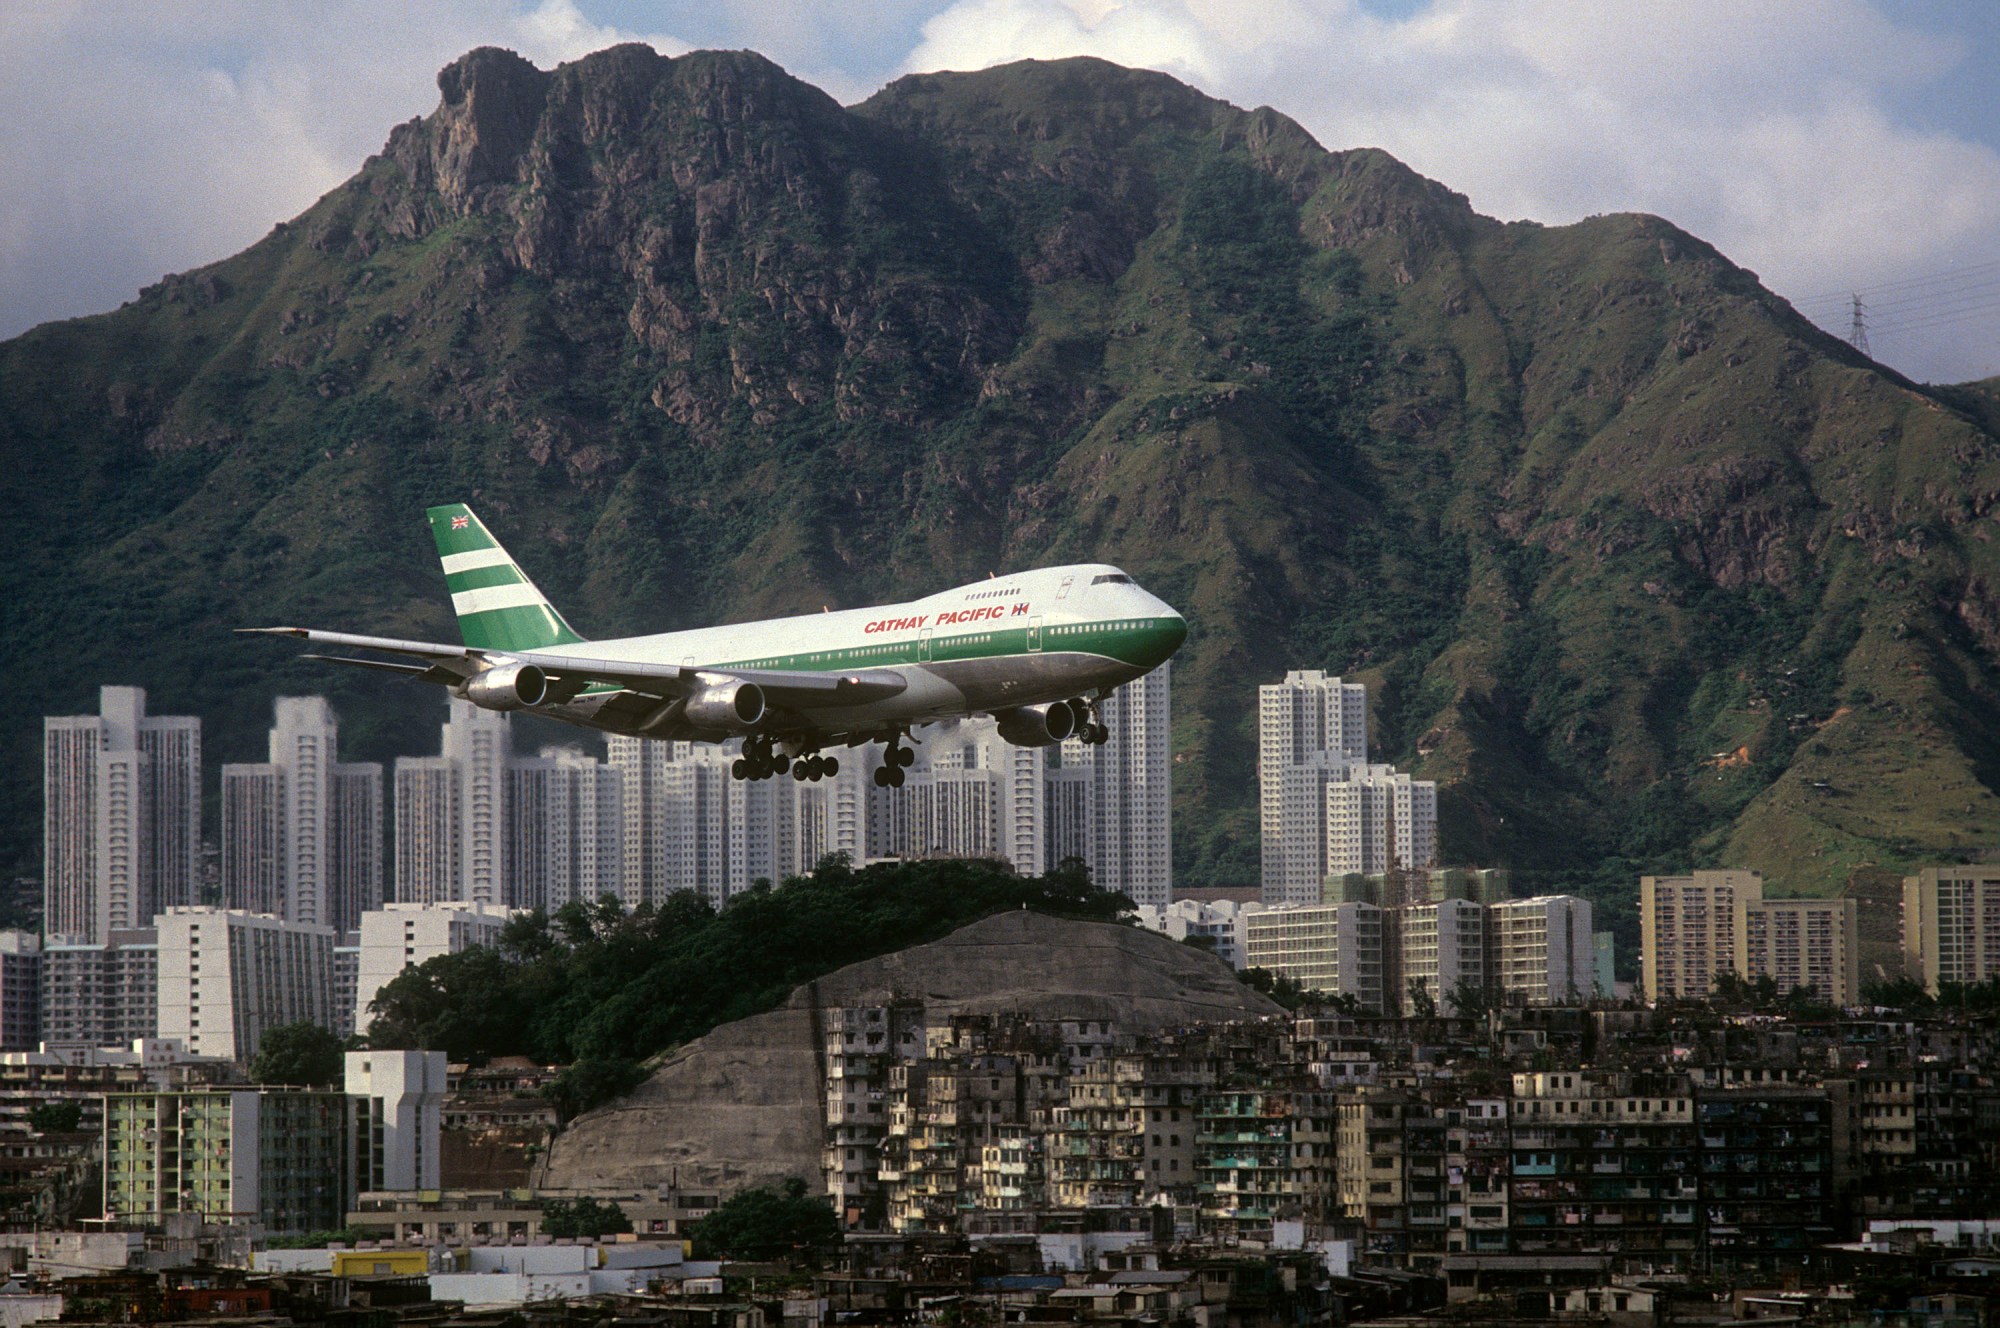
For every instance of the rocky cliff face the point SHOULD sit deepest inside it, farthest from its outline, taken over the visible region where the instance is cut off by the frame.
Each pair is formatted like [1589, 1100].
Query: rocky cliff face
[745, 1105]
[1639, 565]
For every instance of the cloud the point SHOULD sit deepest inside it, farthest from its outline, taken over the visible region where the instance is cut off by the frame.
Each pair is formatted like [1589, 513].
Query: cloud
[1765, 129]
[176, 135]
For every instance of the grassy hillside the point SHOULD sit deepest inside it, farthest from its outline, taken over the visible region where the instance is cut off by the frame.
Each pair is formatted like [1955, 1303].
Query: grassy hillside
[1645, 570]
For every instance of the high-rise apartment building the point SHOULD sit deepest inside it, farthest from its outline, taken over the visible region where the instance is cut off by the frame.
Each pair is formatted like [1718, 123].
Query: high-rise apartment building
[121, 815]
[302, 832]
[1324, 810]
[1687, 929]
[1330, 948]
[971, 794]
[1130, 846]
[1951, 925]
[228, 977]
[1809, 943]
[1542, 950]
[565, 824]
[1449, 936]
[20, 991]
[1435, 951]
[688, 825]
[451, 813]
[1694, 927]
[399, 936]
[1308, 720]
[101, 994]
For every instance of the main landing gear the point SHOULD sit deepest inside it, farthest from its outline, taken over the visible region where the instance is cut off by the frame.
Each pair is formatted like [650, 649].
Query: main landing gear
[896, 758]
[761, 759]
[1091, 730]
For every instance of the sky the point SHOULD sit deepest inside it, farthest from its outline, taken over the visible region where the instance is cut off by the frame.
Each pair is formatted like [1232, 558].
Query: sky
[1835, 147]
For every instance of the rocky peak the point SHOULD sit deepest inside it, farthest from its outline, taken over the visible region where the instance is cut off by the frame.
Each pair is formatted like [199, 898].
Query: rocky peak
[493, 100]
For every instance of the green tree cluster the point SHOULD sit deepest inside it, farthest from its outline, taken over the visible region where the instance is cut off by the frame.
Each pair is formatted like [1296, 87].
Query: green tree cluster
[299, 1053]
[763, 1223]
[55, 1117]
[602, 989]
[1908, 996]
[583, 1219]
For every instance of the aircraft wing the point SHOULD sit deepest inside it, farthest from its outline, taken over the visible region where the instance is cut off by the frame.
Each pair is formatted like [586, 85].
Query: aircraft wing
[447, 663]
[789, 687]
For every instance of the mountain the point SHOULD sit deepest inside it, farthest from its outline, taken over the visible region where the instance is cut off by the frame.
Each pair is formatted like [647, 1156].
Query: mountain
[1643, 568]
[744, 1105]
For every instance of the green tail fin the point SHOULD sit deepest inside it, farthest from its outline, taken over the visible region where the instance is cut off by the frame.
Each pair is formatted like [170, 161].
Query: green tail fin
[498, 606]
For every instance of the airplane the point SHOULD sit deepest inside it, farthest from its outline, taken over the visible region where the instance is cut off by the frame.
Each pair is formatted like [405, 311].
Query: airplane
[1037, 650]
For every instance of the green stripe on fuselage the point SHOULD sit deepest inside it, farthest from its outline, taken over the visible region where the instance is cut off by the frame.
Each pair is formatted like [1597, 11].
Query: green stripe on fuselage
[1139, 642]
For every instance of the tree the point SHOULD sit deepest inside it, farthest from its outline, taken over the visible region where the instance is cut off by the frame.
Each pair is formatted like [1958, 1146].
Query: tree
[300, 1053]
[592, 1082]
[55, 1117]
[584, 1218]
[1283, 988]
[1422, 1004]
[764, 1223]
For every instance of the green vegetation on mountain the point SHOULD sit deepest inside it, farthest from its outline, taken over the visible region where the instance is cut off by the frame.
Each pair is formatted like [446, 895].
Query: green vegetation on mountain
[1645, 570]
[602, 990]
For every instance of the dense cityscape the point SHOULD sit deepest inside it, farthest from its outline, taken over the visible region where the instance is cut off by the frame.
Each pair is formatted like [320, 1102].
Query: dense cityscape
[1000, 662]
[1466, 1091]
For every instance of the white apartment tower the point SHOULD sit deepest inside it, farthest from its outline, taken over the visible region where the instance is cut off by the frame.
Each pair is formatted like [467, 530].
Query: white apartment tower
[689, 826]
[1308, 720]
[121, 815]
[228, 977]
[1543, 951]
[1323, 809]
[397, 1098]
[1130, 845]
[565, 821]
[1951, 925]
[1687, 929]
[302, 832]
[399, 936]
[971, 794]
[451, 825]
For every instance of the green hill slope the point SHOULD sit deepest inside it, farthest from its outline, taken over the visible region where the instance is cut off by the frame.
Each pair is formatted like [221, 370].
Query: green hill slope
[1641, 567]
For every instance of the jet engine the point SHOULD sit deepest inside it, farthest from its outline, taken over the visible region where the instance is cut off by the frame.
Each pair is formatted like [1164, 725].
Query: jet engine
[508, 687]
[1038, 725]
[735, 707]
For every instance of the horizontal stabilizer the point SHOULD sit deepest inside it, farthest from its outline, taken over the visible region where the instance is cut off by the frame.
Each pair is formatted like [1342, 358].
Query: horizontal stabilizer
[385, 665]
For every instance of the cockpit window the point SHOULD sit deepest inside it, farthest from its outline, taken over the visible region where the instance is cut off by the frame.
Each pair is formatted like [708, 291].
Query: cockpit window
[1113, 578]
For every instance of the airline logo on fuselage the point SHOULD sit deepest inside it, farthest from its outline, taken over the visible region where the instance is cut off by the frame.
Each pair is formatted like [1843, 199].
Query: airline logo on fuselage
[949, 618]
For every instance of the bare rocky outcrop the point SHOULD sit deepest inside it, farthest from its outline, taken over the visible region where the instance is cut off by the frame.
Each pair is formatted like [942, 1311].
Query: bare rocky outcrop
[743, 1106]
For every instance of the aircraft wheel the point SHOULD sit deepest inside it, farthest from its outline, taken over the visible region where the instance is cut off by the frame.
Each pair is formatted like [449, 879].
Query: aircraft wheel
[832, 766]
[799, 771]
[780, 764]
[882, 773]
[740, 768]
[895, 778]
[1099, 734]
[902, 756]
